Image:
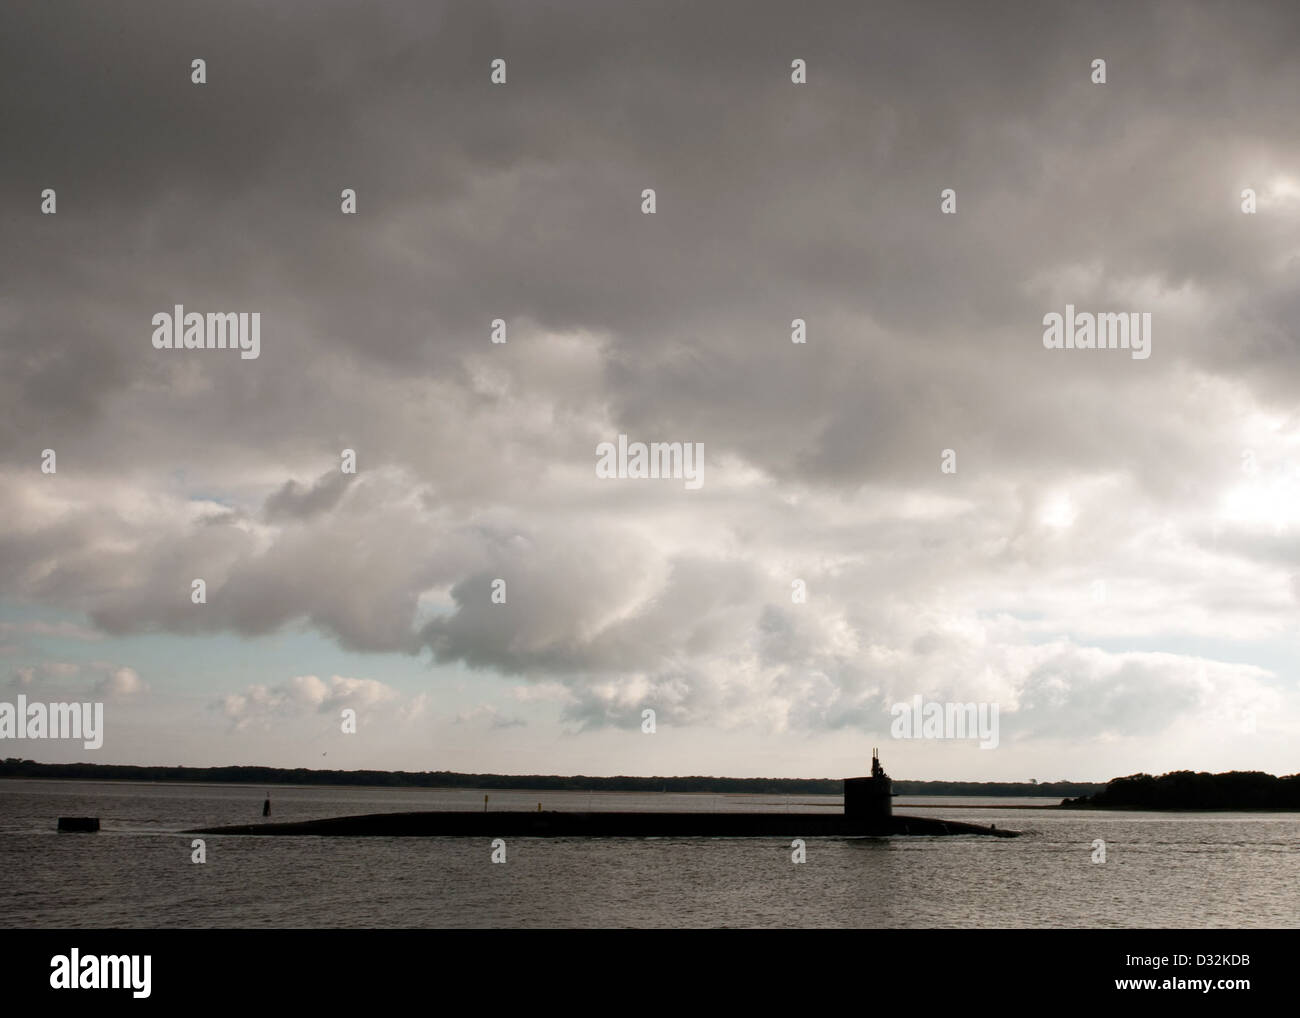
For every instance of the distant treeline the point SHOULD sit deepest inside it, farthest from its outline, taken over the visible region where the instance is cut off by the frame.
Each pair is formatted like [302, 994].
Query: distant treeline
[1048, 789]
[1196, 790]
[13, 768]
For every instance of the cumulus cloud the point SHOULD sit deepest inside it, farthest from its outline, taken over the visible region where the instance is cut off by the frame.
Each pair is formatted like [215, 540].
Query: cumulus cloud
[302, 694]
[119, 683]
[56, 678]
[45, 671]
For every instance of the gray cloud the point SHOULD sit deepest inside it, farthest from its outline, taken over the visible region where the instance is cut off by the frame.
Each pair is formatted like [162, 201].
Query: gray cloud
[293, 500]
[775, 202]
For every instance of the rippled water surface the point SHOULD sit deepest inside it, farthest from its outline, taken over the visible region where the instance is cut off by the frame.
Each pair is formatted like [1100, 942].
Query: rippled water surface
[1182, 869]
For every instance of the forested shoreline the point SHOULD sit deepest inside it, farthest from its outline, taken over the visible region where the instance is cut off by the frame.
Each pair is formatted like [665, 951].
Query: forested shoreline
[1193, 790]
[14, 768]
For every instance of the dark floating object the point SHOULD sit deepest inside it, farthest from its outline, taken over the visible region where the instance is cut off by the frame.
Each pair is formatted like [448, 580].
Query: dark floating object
[867, 813]
[84, 824]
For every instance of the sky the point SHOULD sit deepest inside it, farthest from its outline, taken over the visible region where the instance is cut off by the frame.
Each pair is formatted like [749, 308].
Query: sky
[1104, 547]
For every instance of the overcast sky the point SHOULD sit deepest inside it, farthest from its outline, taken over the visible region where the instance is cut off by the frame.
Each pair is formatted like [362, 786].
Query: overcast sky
[1115, 562]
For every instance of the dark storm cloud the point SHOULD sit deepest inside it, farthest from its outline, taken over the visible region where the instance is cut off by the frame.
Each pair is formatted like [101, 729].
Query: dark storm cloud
[522, 202]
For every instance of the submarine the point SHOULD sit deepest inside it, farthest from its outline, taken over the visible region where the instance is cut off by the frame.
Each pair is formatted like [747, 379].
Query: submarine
[868, 813]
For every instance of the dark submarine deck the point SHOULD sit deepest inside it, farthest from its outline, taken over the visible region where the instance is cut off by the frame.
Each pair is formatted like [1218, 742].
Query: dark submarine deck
[613, 825]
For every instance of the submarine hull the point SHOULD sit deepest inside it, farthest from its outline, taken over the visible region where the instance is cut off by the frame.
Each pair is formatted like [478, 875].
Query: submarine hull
[612, 825]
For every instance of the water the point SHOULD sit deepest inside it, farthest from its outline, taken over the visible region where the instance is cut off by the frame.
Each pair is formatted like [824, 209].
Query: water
[1162, 870]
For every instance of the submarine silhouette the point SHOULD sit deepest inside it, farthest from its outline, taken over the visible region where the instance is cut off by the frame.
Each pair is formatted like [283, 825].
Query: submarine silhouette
[868, 812]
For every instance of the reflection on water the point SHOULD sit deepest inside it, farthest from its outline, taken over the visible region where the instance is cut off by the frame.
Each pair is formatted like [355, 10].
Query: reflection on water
[1195, 870]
